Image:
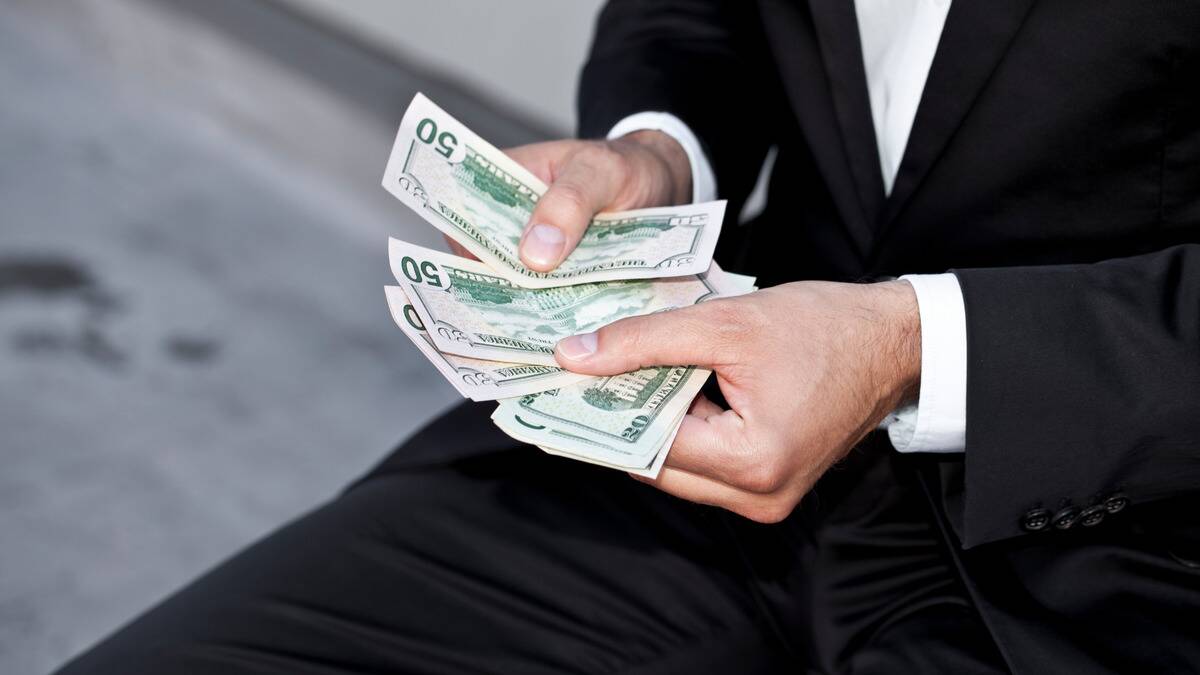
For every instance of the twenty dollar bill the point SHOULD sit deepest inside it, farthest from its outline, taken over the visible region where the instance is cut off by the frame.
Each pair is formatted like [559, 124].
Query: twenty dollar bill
[626, 422]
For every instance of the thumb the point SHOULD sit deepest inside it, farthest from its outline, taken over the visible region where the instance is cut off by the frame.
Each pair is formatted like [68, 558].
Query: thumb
[587, 183]
[689, 336]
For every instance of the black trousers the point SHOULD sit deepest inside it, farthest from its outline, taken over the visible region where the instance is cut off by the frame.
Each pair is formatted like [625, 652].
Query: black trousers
[506, 560]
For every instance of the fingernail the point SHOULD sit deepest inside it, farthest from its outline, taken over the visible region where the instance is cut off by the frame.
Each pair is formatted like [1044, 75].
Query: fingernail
[543, 245]
[578, 347]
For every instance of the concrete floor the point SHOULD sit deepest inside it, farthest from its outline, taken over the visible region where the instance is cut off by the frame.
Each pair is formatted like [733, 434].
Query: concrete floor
[194, 345]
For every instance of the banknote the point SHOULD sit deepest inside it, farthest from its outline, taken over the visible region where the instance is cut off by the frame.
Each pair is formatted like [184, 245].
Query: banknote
[476, 379]
[625, 421]
[470, 311]
[744, 283]
[482, 199]
[573, 427]
[651, 471]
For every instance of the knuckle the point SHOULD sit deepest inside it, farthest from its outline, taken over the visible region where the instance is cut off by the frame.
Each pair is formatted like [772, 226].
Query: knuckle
[570, 200]
[734, 325]
[607, 163]
[599, 155]
[734, 320]
[571, 193]
[762, 475]
[767, 511]
[617, 161]
[616, 337]
[634, 338]
[752, 317]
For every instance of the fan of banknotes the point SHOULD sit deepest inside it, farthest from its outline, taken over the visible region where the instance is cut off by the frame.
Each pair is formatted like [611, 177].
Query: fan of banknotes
[490, 327]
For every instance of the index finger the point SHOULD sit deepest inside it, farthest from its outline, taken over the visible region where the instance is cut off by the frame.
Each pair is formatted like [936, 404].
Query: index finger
[714, 447]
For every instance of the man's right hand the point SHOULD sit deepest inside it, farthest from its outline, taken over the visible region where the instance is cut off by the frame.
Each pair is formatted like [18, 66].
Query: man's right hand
[638, 170]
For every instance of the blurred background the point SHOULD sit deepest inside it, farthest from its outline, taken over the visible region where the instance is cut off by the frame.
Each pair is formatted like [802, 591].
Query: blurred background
[194, 344]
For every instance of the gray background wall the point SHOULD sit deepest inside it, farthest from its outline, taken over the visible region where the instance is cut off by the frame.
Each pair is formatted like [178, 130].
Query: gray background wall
[194, 346]
[524, 53]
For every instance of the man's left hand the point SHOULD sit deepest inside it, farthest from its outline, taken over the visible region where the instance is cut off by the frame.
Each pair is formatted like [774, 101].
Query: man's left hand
[807, 368]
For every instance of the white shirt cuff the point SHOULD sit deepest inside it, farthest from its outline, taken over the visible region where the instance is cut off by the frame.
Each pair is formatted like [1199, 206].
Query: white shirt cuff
[938, 421]
[704, 182]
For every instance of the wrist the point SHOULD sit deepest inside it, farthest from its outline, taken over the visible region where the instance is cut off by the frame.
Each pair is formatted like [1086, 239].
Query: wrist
[665, 158]
[899, 322]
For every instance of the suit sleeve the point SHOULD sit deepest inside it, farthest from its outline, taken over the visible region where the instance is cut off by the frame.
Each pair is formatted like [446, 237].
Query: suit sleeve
[1083, 391]
[703, 61]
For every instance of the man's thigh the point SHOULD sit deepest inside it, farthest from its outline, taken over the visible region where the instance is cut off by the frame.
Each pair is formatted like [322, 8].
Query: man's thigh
[512, 562]
[885, 595]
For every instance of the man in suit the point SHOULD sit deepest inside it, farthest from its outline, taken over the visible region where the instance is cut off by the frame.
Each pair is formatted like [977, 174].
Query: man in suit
[1032, 504]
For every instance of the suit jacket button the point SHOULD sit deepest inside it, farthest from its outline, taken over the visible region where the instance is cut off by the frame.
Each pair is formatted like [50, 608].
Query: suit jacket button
[1116, 503]
[1036, 519]
[1092, 515]
[1066, 518]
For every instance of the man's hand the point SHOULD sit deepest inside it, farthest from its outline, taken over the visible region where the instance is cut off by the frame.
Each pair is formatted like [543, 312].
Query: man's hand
[638, 170]
[808, 369]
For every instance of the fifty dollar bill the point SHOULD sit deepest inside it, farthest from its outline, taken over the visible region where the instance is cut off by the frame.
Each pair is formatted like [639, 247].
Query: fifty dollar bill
[476, 379]
[482, 199]
[469, 310]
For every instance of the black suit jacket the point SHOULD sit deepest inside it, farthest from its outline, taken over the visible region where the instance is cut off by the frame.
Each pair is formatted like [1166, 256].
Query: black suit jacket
[1054, 166]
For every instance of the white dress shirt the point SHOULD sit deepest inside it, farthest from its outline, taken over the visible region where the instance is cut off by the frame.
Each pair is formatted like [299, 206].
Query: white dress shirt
[899, 38]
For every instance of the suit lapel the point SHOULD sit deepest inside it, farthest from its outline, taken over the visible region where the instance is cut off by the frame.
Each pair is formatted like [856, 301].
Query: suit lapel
[974, 39]
[810, 87]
